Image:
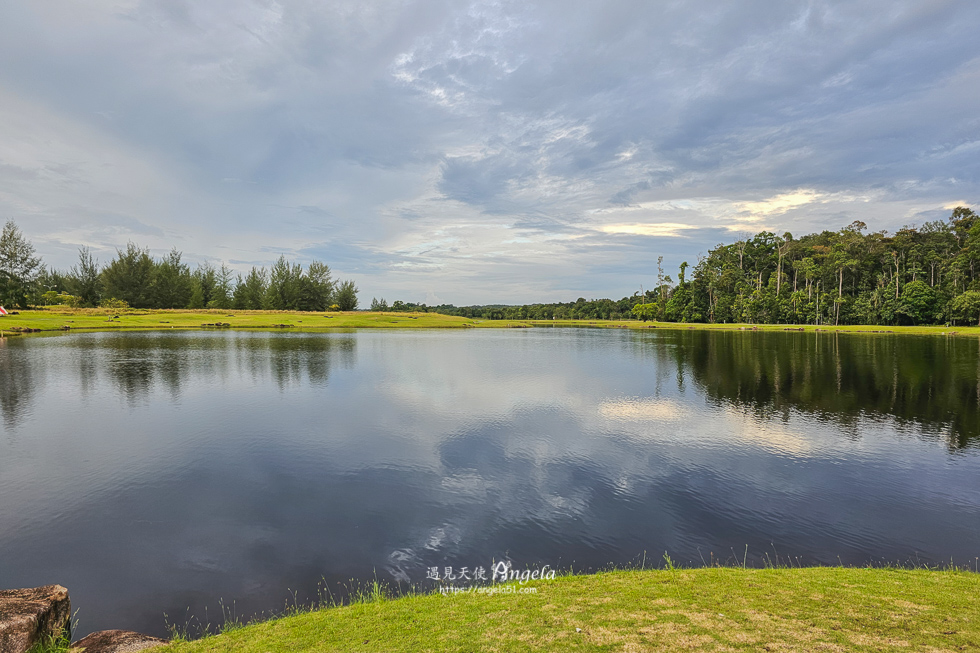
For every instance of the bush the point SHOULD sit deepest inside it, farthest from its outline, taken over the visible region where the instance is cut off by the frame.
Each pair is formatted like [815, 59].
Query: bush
[55, 298]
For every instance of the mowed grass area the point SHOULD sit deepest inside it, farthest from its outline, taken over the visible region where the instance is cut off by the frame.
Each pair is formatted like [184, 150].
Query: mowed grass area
[709, 609]
[97, 319]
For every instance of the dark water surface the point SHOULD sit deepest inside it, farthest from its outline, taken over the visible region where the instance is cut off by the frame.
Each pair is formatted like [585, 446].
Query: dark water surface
[153, 473]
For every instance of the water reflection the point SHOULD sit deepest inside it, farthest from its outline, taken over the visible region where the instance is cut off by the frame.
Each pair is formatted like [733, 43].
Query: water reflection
[292, 359]
[139, 363]
[924, 381]
[18, 382]
[919, 380]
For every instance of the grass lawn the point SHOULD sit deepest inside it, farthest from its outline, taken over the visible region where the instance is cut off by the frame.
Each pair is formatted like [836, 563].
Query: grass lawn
[709, 609]
[95, 319]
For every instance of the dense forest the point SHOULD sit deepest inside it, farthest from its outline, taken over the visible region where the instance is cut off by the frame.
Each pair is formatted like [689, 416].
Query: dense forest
[919, 275]
[925, 275]
[135, 279]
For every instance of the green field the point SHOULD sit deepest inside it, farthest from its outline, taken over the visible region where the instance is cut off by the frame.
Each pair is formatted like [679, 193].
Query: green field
[97, 319]
[709, 609]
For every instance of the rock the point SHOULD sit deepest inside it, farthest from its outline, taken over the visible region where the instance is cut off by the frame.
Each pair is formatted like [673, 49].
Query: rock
[116, 641]
[28, 616]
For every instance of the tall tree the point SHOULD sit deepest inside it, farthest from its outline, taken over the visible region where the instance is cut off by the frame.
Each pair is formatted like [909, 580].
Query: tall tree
[127, 277]
[84, 279]
[19, 266]
[206, 287]
[170, 283]
[966, 306]
[347, 296]
[316, 288]
[283, 291]
[250, 291]
[221, 296]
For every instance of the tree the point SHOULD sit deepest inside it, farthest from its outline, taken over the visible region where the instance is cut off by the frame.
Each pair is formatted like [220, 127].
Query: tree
[961, 223]
[250, 292]
[283, 291]
[346, 297]
[204, 282]
[316, 288]
[127, 277]
[843, 257]
[679, 305]
[222, 294]
[170, 283]
[19, 266]
[84, 279]
[918, 302]
[645, 312]
[379, 305]
[967, 306]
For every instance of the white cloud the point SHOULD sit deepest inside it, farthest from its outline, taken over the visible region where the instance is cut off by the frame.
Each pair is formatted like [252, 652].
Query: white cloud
[777, 205]
[663, 229]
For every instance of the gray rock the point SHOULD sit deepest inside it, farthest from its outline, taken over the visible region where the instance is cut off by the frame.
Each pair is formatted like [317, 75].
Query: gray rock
[28, 616]
[116, 641]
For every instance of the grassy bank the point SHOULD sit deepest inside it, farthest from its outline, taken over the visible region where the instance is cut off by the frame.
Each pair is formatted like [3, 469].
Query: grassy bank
[64, 319]
[850, 328]
[710, 609]
[58, 319]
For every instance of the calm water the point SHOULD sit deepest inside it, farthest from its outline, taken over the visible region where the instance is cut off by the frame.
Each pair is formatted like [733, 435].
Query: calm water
[153, 473]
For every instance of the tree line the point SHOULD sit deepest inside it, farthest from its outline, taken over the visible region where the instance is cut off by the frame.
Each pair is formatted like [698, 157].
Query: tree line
[919, 275]
[580, 309]
[135, 279]
[925, 275]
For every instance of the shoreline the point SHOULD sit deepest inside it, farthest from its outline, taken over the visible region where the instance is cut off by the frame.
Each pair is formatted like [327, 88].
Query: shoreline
[710, 608]
[108, 320]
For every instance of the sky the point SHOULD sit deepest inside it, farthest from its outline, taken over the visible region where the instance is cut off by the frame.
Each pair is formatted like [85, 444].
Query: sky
[480, 152]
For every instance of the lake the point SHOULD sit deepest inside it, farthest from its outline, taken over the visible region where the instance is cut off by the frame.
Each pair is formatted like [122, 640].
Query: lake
[158, 472]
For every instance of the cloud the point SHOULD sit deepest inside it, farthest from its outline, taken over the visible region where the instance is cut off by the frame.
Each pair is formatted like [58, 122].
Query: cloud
[777, 205]
[662, 229]
[479, 151]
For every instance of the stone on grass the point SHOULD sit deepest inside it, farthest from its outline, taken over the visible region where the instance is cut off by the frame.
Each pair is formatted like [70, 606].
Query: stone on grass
[28, 616]
[116, 641]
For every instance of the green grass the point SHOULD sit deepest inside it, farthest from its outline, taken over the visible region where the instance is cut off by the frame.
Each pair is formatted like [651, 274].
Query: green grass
[709, 609]
[58, 644]
[51, 645]
[58, 318]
